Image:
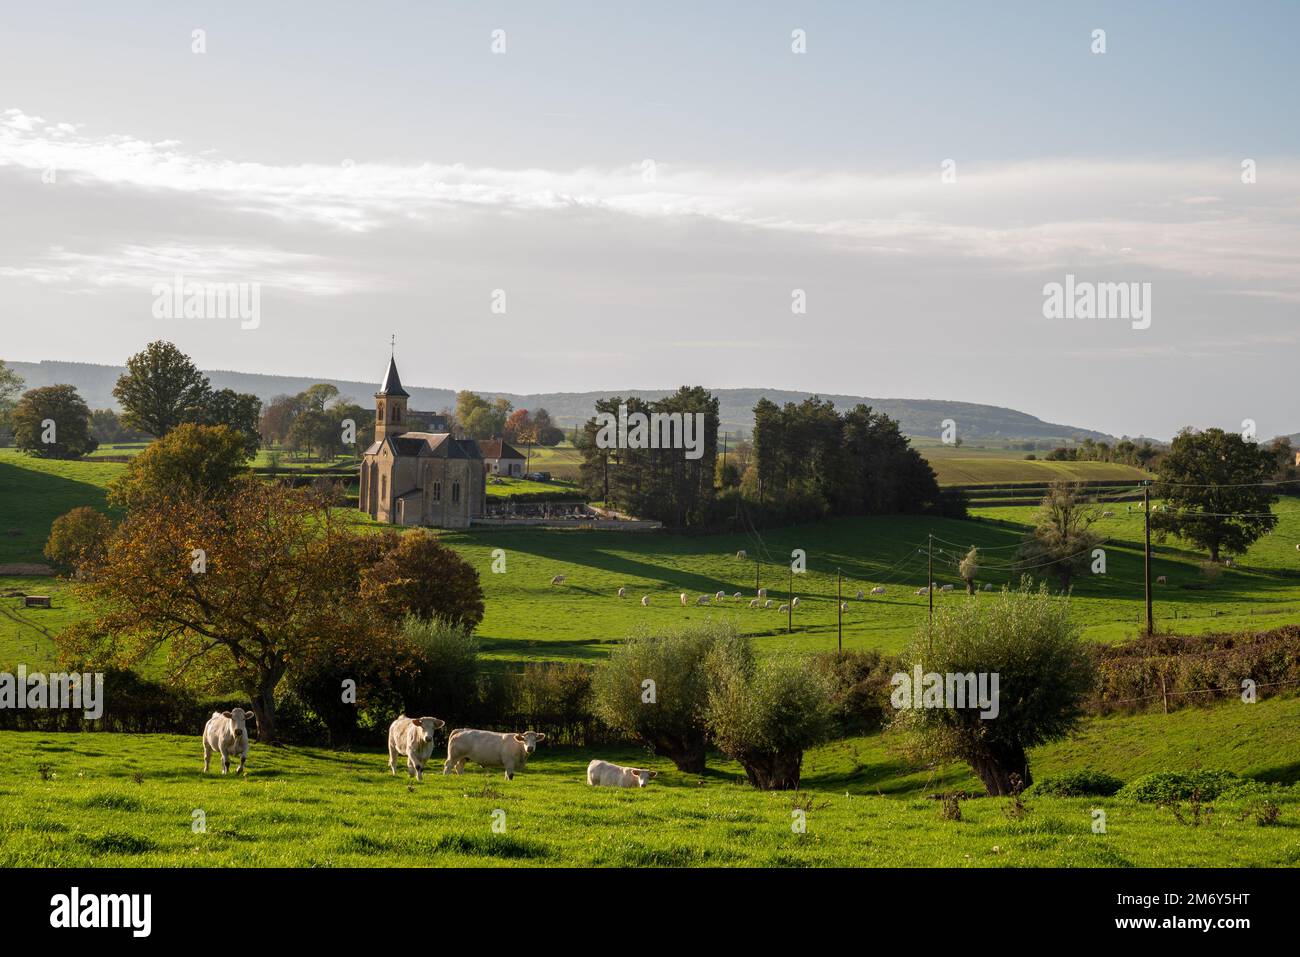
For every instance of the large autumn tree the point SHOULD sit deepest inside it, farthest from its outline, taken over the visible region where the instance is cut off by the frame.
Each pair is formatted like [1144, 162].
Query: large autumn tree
[191, 460]
[234, 591]
[1211, 482]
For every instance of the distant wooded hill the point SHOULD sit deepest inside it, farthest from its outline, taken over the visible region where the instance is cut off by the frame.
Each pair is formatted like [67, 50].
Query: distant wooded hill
[917, 417]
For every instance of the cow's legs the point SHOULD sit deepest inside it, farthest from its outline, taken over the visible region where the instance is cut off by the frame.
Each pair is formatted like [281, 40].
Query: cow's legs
[392, 759]
[243, 756]
[207, 756]
[225, 762]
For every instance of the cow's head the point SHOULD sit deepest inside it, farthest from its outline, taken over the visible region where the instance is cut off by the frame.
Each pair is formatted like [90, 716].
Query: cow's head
[529, 740]
[238, 722]
[643, 776]
[428, 726]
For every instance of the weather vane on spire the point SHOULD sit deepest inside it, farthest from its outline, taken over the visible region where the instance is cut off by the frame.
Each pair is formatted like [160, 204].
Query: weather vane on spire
[392, 342]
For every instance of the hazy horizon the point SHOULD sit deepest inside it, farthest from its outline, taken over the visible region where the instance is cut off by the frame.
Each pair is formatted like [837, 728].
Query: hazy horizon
[650, 188]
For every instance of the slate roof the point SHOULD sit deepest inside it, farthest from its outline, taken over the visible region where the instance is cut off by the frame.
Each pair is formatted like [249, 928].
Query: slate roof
[392, 381]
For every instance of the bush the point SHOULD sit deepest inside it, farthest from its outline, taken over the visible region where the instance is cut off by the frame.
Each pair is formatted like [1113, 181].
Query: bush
[1164, 786]
[78, 539]
[1044, 672]
[442, 678]
[418, 575]
[668, 715]
[765, 715]
[858, 683]
[1077, 784]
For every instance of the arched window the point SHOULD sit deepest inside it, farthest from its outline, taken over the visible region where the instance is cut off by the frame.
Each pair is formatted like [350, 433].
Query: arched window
[437, 491]
[455, 493]
[397, 413]
[383, 488]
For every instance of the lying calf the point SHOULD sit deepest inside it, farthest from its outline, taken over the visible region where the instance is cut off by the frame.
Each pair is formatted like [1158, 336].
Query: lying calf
[605, 774]
[412, 737]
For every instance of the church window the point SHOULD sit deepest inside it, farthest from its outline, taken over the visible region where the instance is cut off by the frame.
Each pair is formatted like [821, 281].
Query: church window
[383, 488]
[455, 493]
[437, 491]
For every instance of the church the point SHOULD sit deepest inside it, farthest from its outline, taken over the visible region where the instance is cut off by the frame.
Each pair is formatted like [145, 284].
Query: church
[418, 478]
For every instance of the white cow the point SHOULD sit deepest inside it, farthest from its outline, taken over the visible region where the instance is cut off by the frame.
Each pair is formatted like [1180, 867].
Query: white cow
[684, 598]
[557, 580]
[878, 590]
[645, 601]
[605, 774]
[622, 593]
[490, 749]
[412, 737]
[226, 733]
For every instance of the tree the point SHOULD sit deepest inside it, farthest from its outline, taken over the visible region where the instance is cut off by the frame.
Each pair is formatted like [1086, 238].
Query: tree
[190, 461]
[765, 715]
[160, 389]
[240, 411]
[237, 594]
[11, 384]
[53, 422]
[107, 428]
[547, 432]
[1062, 541]
[418, 575]
[1211, 484]
[78, 539]
[969, 569]
[1044, 673]
[478, 418]
[655, 687]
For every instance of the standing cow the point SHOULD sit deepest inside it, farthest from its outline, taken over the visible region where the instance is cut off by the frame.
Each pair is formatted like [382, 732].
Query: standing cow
[412, 737]
[490, 749]
[226, 733]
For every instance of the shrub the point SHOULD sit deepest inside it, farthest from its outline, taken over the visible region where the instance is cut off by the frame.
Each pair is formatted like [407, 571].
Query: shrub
[765, 715]
[1044, 673]
[858, 684]
[1077, 784]
[668, 715]
[442, 677]
[78, 539]
[1166, 786]
[418, 575]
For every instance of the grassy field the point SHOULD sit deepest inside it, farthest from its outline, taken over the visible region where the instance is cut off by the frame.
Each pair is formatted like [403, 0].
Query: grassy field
[529, 619]
[966, 465]
[121, 800]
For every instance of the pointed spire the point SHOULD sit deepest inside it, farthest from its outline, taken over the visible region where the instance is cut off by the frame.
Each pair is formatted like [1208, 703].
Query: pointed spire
[392, 381]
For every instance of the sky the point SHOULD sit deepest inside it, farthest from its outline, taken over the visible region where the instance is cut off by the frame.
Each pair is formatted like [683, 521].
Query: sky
[541, 197]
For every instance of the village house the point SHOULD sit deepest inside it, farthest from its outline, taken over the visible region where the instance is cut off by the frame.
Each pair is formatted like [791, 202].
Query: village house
[418, 478]
[501, 458]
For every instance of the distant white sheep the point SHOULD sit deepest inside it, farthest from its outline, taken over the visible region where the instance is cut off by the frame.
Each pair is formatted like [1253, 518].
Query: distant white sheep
[753, 603]
[622, 593]
[795, 603]
[702, 600]
[923, 590]
[736, 596]
[878, 590]
[1162, 580]
[767, 603]
[859, 595]
[741, 554]
[844, 606]
[645, 601]
[762, 592]
[1107, 514]
[685, 600]
[946, 588]
[721, 596]
[988, 586]
[783, 608]
[557, 580]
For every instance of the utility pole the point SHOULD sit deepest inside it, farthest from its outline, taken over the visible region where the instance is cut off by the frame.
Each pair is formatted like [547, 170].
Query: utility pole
[929, 591]
[756, 585]
[839, 606]
[1146, 552]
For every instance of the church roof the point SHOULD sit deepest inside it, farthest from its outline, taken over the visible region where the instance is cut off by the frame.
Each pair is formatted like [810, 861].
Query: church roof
[436, 444]
[392, 381]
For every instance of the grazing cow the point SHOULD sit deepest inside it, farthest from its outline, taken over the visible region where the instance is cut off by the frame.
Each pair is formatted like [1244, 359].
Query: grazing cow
[702, 600]
[784, 608]
[604, 774]
[795, 603]
[741, 554]
[557, 580]
[645, 601]
[490, 749]
[412, 737]
[878, 590]
[226, 733]
[1161, 580]
[753, 603]
[684, 599]
[622, 593]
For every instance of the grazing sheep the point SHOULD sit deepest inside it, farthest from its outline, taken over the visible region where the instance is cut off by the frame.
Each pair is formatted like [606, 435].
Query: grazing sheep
[795, 603]
[557, 580]
[1107, 514]
[784, 608]
[622, 593]
[685, 600]
[844, 606]
[721, 596]
[753, 603]
[1161, 580]
[988, 586]
[1229, 562]
[878, 590]
[645, 601]
[702, 600]
[741, 554]
[767, 603]
[736, 596]
[923, 590]
[859, 595]
[946, 588]
[762, 592]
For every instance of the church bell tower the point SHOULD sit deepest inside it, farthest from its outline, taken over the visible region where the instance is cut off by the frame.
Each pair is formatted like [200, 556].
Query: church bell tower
[390, 405]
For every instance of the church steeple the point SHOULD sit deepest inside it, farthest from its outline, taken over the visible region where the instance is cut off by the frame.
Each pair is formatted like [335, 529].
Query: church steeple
[390, 404]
